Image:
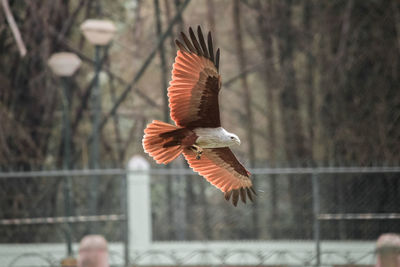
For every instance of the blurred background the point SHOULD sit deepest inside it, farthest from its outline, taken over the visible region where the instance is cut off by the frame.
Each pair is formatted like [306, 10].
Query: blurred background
[305, 85]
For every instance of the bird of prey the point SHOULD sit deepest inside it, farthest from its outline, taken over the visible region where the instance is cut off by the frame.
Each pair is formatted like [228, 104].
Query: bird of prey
[197, 133]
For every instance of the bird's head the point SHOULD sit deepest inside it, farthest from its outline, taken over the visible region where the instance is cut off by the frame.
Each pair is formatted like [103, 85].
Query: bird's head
[234, 139]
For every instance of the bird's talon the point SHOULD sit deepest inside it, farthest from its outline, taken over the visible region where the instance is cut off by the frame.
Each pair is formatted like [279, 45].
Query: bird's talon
[198, 150]
[198, 154]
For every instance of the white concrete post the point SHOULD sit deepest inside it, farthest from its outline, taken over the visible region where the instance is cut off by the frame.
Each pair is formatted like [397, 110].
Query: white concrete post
[139, 208]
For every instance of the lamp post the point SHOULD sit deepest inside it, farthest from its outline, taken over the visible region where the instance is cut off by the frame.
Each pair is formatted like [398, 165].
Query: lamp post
[98, 33]
[64, 65]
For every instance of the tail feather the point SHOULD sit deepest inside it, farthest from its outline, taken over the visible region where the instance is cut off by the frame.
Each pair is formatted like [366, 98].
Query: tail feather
[155, 139]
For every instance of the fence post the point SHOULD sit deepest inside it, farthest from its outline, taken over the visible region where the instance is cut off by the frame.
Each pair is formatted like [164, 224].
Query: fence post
[93, 252]
[138, 195]
[316, 226]
[388, 250]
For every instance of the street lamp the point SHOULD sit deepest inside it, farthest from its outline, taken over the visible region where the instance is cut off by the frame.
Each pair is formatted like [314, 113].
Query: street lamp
[64, 65]
[98, 33]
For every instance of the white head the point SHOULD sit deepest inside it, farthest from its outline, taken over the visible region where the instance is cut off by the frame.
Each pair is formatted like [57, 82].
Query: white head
[233, 139]
[215, 137]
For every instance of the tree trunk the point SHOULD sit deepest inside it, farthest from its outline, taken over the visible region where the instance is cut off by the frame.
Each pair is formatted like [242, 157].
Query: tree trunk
[294, 139]
[264, 22]
[169, 190]
[247, 100]
[211, 19]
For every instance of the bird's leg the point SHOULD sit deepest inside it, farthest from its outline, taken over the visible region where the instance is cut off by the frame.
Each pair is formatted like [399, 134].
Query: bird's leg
[198, 150]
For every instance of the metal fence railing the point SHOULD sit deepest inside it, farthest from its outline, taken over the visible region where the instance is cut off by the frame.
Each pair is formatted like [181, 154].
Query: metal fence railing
[319, 204]
[34, 208]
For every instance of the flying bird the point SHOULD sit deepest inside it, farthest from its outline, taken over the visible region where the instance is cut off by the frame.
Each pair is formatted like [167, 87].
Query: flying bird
[197, 133]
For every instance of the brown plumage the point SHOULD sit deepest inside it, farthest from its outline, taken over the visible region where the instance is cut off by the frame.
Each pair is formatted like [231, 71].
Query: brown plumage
[193, 101]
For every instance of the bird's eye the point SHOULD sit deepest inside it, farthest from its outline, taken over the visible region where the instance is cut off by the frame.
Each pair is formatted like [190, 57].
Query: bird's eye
[232, 137]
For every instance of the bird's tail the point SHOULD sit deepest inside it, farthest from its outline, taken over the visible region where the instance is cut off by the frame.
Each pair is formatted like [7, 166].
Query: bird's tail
[160, 141]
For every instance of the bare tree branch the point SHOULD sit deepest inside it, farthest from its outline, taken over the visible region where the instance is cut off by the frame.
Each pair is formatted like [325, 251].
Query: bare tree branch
[14, 28]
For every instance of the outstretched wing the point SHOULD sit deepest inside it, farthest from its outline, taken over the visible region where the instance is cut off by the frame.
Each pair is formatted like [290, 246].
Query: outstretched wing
[221, 168]
[193, 91]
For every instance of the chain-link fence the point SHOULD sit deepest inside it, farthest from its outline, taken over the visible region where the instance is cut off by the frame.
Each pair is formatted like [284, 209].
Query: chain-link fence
[284, 206]
[38, 207]
[301, 204]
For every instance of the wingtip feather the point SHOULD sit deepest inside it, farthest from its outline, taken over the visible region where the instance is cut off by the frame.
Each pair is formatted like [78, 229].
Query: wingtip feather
[227, 195]
[235, 197]
[243, 195]
[217, 59]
